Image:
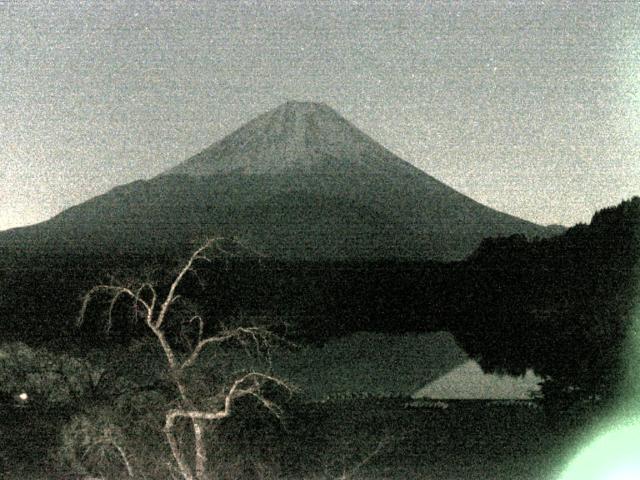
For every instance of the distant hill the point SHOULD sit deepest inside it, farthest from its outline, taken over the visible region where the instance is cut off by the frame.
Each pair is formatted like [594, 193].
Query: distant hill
[298, 182]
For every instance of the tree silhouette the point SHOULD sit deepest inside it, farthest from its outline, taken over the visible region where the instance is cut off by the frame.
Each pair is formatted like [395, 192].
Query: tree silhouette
[560, 306]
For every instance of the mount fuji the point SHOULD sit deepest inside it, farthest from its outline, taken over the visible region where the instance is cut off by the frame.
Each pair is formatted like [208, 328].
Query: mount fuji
[298, 182]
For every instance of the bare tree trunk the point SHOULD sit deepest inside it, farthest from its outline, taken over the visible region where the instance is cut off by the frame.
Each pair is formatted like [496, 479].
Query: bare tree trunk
[201, 449]
[183, 466]
[197, 425]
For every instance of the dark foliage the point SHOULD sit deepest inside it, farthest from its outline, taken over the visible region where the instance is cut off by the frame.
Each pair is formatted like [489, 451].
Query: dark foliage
[315, 299]
[561, 306]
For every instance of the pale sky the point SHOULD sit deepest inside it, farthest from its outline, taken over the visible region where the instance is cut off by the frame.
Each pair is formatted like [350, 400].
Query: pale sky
[530, 107]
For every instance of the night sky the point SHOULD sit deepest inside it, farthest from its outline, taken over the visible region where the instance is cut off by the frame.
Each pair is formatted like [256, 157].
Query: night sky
[530, 107]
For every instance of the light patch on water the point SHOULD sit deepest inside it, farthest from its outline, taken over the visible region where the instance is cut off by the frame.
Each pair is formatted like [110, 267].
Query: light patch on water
[468, 381]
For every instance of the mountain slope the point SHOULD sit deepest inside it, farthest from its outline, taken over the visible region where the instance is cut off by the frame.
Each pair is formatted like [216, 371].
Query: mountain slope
[298, 182]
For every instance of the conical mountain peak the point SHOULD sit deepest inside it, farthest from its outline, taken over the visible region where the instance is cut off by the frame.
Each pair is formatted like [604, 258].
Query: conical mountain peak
[304, 137]
[297, 182]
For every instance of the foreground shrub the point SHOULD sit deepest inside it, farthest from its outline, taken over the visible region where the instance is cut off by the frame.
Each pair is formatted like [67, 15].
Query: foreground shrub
[38, 377]
[126, 439]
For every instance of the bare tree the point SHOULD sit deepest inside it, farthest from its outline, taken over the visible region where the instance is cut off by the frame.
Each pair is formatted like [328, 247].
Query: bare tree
[349, 472]
[154, 311]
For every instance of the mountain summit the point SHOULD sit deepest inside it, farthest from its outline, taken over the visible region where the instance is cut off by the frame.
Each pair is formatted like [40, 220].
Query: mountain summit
[301, 137]
[297, 182]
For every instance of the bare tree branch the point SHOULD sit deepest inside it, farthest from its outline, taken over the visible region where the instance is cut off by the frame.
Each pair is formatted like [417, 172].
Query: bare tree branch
[257, 334]
[154, 296]
[237, 390]
[172, 290]
[250, 384]
[116, 292]
[347, 475]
